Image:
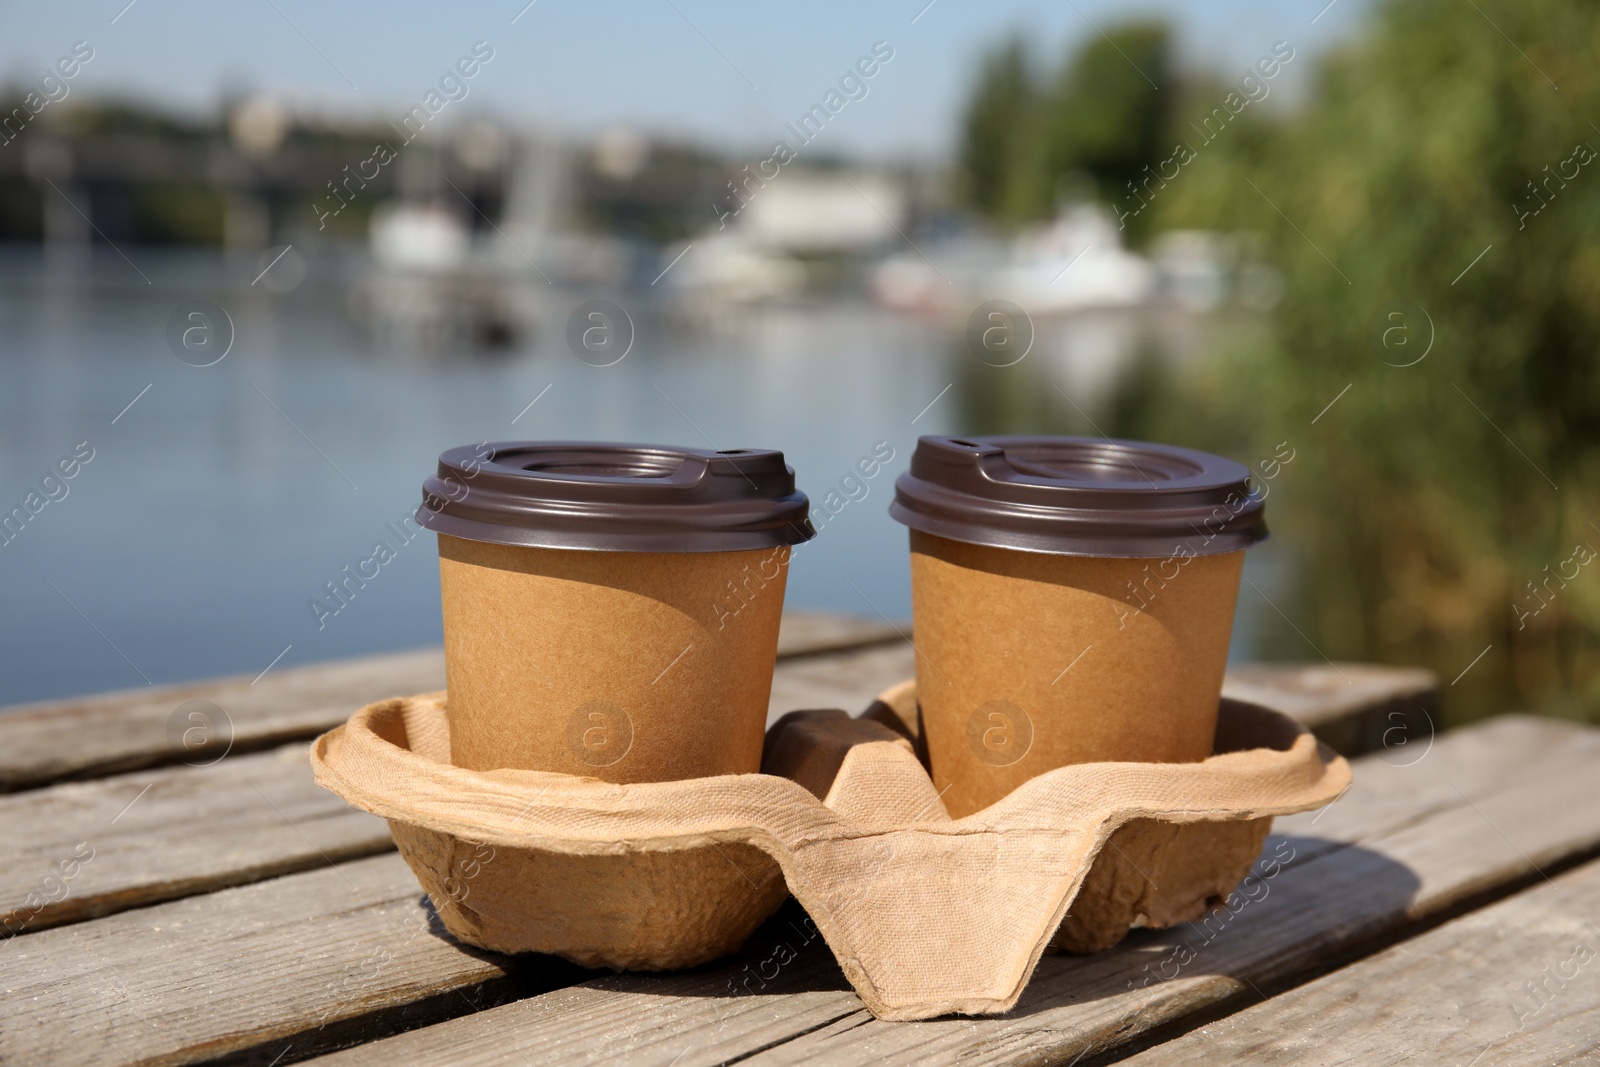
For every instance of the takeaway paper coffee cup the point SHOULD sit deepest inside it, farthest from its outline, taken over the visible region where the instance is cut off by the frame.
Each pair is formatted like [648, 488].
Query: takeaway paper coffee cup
[1072, 600]
[611, 610]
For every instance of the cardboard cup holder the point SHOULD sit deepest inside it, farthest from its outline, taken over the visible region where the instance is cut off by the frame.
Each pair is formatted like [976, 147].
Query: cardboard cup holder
[926, 915]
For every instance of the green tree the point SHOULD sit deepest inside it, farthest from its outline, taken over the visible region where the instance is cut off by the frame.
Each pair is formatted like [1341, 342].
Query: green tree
[1109, 114]
[1090, 128]
[996, 128]
[1435, 212]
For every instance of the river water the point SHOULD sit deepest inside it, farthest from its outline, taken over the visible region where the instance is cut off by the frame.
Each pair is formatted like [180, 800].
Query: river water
[218, 504]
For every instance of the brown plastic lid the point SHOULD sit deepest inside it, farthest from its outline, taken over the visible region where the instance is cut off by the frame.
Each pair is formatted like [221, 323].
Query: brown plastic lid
[615, 497]
[1080, 496]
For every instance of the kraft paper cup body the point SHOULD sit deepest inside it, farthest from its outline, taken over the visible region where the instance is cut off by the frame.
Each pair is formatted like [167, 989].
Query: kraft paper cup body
[611, 610]
[623, 666]
[1027, 662]
[1072, 601]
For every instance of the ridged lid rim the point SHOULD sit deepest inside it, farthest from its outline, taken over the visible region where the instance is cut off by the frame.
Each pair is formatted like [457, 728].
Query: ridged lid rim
[617, 497]
[1082, 496]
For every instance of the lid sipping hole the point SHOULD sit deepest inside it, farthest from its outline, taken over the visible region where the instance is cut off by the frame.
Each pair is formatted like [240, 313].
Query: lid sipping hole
[732, 451]
[964, 444]
[607, 466]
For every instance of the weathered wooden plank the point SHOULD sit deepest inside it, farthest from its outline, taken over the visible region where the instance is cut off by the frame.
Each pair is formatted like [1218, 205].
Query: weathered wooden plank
[695, 1018]
[848, 680]
[1517, 983]
[215, 826]
[304, 920]
[248, 817]
[689, 1020]
[815, 633]
[1409, 843]
[1430, 856]
[83, 849]
[1401, 786]
[310, 961]
[1355, 707]
[113, 732]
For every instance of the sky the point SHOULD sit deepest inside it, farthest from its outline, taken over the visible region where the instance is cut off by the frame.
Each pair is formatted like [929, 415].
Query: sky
[725, 74]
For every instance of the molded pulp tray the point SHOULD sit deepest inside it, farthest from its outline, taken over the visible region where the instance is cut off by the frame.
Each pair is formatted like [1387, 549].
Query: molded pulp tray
[926, 915]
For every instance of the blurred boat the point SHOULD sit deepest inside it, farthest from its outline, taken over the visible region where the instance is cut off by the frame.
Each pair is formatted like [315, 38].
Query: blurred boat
[435, 284]
[1075, 263]
[419, 238]
[425, 292]
[730, 266]
[934, 276]
[789, 236]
